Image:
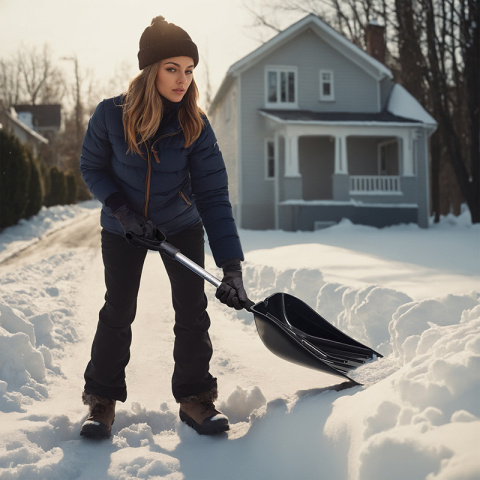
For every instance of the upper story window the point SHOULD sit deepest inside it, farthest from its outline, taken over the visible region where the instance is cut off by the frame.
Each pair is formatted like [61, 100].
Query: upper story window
[327, 92]
[281, 87]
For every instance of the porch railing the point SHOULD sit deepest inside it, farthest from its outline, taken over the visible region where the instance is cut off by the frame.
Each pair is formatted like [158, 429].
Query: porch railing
[374, 184]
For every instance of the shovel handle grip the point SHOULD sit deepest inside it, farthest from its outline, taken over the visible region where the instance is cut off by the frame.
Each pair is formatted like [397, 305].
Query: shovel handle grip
[169, 249]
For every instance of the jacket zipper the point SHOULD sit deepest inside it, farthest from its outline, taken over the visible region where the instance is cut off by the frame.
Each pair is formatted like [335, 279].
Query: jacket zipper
[149, 169]
[187, 201]
[147, 186]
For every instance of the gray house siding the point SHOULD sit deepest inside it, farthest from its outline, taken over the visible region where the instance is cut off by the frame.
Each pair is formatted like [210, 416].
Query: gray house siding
[386, 85]
[310, 54]
[258, 192]
[225, 120]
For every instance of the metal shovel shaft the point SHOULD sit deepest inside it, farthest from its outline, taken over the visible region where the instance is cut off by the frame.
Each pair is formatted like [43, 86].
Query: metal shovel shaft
[197, 269]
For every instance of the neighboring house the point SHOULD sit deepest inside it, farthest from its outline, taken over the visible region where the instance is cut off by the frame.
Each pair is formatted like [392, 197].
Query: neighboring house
[313, 130]
[44, 119]
[10, 122]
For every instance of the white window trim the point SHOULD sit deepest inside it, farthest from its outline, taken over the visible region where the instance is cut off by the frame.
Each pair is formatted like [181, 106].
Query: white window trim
[331, 97]
[281, 68]
[267, 141]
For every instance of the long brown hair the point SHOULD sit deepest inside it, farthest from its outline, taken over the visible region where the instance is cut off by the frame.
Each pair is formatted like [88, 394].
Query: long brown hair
[143, 110]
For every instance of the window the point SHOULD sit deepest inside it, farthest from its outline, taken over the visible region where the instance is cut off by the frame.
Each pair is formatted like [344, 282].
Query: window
[388, 158]
[270, 159]
[326, 85]
[281, 86]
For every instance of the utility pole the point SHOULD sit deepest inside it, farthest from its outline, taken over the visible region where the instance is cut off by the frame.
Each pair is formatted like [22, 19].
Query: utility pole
[78, 103]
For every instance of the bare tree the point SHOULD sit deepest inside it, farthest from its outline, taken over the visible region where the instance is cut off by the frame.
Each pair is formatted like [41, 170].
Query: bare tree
[433, 50]
[10, 85]
[118, 83]
[206, 96]
[41, 80]
[31, 76]
[452, 73]
[77, 98]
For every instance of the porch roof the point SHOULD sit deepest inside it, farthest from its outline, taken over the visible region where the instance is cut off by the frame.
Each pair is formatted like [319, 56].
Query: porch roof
[311, 117]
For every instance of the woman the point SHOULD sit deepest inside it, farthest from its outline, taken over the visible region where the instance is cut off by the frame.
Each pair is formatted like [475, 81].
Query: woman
[150, 156]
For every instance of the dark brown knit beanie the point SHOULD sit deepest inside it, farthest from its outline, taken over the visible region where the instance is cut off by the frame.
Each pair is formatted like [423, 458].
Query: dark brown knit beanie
[162, 40]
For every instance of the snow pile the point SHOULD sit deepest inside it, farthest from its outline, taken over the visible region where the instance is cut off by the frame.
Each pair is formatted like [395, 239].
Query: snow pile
[27, 232]
[35, 328]
[403, 104]
[362, 313]
[416, 416]
[424, 420]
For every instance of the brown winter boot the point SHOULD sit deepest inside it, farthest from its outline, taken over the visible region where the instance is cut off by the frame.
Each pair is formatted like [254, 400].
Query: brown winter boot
[199, 412]
[100, 418]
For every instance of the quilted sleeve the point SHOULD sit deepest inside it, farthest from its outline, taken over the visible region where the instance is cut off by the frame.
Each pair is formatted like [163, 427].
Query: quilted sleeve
[96, 157]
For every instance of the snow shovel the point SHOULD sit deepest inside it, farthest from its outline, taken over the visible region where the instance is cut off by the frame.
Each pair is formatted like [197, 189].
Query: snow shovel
[288, 327]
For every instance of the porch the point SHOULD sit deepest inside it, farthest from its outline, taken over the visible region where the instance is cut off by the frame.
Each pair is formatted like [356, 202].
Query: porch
[328, 170]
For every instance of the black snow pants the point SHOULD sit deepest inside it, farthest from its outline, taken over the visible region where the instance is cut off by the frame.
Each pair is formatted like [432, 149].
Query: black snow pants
[105, 373]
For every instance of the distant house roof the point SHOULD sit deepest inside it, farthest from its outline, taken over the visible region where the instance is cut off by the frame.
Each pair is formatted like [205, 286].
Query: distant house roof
[44, 116]
[13, 123]
[308, 116]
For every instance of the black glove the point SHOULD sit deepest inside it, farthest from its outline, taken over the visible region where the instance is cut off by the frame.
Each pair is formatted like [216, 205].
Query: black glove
[134, 223]
[231, 291]
[155, 242]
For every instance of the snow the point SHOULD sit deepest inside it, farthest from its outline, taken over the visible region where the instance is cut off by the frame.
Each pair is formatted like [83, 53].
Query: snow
[403, 104]
[412, 294]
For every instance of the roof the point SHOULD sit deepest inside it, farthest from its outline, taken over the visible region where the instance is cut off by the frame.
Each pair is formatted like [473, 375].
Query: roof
[44, 116]
[12, 117]
[325, 31]
[403, 104]
[308, 116]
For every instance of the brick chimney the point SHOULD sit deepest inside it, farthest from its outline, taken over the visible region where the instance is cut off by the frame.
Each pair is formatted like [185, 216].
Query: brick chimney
[375, 36]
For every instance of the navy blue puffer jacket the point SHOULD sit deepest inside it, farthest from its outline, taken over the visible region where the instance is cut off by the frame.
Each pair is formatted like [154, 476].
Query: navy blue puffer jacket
[174, 186]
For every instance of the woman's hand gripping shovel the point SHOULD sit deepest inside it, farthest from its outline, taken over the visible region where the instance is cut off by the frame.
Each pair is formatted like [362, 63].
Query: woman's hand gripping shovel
[287, 326]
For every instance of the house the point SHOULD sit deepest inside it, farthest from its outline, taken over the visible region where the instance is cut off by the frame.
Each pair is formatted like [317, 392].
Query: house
[44, 119]
[313, 130]
[10, 122]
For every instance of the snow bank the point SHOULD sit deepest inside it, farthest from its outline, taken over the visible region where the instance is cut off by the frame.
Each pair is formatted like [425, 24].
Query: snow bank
[35, 327]
[423, 421]
[29, 231]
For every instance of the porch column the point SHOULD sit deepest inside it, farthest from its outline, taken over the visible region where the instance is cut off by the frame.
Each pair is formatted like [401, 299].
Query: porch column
[408, 169]
[341, 164]
[292, 167]
[276, 180]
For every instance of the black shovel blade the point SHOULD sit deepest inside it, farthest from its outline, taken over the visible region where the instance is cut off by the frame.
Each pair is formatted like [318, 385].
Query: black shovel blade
[292, 330]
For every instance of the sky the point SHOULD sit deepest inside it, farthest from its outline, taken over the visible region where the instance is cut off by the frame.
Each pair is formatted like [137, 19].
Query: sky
[104, 34]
